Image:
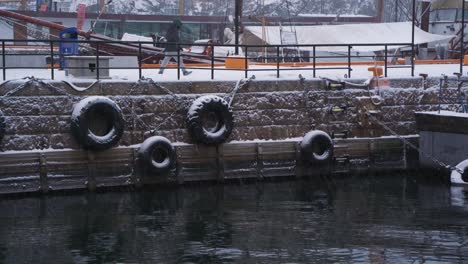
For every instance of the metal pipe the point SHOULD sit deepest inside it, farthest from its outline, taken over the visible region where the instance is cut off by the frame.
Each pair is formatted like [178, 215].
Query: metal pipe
[314, 60]
[277, 62]
[3, 60]
[139, 61]
[212, 61]
[386, 58]
[412, 38]
[52, 59]
[236, 23]
[462, 43]
[97, 61]
[349, 61]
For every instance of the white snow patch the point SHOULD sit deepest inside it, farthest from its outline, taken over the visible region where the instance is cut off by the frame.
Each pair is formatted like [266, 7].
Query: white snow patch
[446, 113]
[221, 74]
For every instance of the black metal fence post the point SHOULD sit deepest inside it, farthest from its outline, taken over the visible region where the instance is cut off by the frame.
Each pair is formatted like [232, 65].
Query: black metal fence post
[212, 61]
[314, 60]
[178, 62]
[462, 41]
[97, 60]
[52, 63]
[386, 58]
[139, 61]
[277, 61]
[349, 61]
[246, 63]
[412, 38]
[3, 60]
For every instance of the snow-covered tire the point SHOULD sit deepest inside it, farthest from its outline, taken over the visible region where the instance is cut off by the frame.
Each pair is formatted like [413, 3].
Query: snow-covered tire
[317, 147]
[2, 126]
[157, 154]
[210, 120]
[97, 123]
[458, 178]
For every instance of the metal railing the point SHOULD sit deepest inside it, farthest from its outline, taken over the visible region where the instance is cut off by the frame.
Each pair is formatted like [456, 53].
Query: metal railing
[309, 54]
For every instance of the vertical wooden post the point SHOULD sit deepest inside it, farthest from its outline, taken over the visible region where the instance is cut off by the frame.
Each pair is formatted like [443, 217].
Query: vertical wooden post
[259, 161]
[299, 163]
[137, 170]
[43, 173]
[220, 162]
[178, 172]
[91, 172]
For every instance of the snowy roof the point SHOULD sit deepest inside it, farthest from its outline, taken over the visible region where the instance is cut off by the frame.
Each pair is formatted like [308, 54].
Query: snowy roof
[373, 33]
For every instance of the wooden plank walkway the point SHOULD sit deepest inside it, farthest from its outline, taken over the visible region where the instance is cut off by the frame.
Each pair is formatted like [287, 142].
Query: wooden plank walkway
[52, 170]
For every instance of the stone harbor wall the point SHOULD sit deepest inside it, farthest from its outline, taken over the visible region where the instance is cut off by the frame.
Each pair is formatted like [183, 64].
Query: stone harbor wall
[38, 113]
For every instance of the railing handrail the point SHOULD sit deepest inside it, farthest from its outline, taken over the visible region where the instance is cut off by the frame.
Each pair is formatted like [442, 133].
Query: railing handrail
[141, 49]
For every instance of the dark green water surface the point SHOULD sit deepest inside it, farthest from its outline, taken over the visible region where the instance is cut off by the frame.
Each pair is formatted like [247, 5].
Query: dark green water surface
[391, 219]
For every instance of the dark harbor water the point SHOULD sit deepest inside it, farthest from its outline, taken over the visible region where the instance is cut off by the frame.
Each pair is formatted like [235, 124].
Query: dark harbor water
[387, 219]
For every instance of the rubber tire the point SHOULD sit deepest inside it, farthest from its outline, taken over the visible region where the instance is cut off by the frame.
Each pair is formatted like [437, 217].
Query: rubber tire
[311, 141]
[2, 126]
[81, 117]
[196, 127]
[146, 151]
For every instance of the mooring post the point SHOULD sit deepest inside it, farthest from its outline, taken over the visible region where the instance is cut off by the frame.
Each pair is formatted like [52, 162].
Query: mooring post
[220, 162]
[43, 173]
[91, 182]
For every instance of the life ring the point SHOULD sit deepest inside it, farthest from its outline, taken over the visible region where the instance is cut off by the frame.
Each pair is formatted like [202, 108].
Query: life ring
[157, 154]
[210, 120]
[458, 178]
[97, 123]
[317, 147]
[2, 126]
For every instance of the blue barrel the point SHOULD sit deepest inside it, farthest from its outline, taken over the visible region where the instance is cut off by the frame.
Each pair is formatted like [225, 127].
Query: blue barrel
[68, 44]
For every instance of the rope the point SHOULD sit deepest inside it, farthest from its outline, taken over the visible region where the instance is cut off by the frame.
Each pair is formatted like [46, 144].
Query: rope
[407, 142]
[183, 105]
[238, 87]
[77, 88]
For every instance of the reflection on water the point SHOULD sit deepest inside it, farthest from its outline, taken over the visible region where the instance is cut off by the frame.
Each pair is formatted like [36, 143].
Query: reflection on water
[372, 220]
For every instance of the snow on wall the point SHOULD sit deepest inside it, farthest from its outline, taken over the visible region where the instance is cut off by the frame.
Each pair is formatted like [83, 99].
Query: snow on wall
[39, 118]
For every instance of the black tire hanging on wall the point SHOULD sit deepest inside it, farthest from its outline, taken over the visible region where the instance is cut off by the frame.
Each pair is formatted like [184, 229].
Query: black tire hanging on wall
[157, 154]
[2, 126]
[210, 120]
[317, 147]
[97, 123]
